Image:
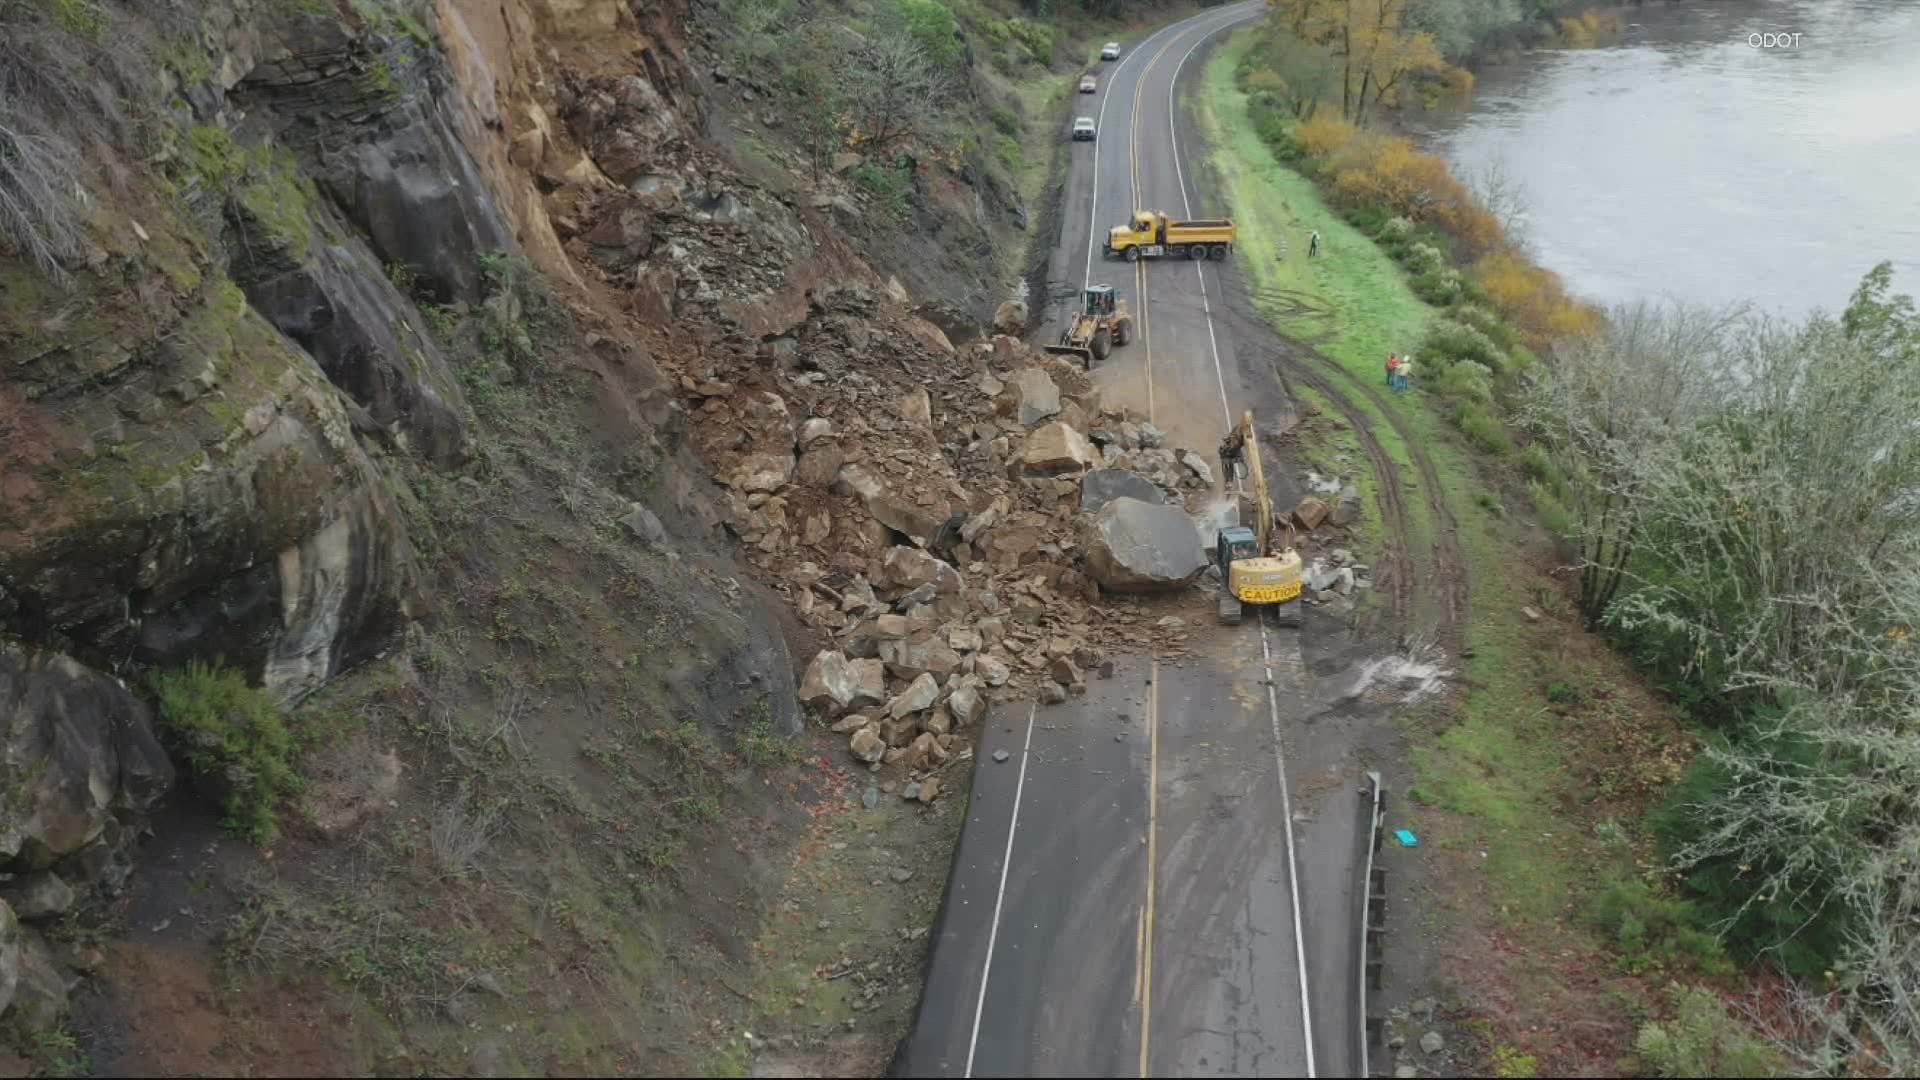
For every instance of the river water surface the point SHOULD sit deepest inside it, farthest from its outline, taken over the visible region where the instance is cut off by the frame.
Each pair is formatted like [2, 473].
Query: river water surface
[1682, 162]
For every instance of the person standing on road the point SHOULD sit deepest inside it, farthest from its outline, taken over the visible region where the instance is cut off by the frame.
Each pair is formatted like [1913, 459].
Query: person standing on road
[1404, 374]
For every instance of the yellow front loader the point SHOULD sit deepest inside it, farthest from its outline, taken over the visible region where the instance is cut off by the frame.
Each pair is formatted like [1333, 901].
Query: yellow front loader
[1101, 325]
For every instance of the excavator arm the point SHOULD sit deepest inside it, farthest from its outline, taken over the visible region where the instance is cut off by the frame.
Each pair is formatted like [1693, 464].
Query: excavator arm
[1263, 508]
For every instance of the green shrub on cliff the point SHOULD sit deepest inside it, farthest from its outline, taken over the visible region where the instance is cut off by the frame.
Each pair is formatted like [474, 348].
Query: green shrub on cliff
[234, 741]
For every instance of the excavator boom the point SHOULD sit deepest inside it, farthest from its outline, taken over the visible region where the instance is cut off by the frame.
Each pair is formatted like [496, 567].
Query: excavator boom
[1263, 508]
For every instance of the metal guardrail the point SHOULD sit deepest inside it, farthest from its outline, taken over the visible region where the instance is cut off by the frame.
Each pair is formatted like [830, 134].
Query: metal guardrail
[1373, 918]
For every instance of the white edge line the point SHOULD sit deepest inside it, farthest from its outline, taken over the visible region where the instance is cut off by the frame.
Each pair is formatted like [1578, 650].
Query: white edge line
[1100, 127]
[1293, 878]
[1199, 269]
[1006, 862]
[1266, 649]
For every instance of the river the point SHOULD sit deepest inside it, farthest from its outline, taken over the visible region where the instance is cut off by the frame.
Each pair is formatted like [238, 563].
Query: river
[1683, 162]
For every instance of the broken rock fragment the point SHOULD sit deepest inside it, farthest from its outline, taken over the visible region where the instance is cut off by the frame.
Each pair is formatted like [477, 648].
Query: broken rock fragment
[910, 567]
[1057, 448]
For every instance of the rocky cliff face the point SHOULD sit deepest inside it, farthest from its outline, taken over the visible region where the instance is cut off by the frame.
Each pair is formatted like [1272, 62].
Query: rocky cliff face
[215, 433]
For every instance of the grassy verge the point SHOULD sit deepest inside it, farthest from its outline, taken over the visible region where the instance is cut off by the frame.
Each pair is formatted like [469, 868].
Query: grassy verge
[1529, 782]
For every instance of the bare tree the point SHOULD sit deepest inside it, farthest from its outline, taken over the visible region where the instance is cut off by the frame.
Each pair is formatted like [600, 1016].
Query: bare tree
[40, 203]
[1495, 187]
[894, 91]
[1604, 409]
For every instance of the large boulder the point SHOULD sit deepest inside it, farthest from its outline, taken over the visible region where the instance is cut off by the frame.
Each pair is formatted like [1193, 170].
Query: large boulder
[829, 683]
[966, 703]
[763, 472]
[38, 895]
[869, 682]
[910, 659]
[1310, 513]
[1035, 396]
[9, 956]
[1010, 318]
[861, 482]
[916, 407]
[820, 463]
[917, 697]
[210, 496]
[77, 748]
[340, 306]
[1058, 448]
[909, 568]
[1138, 546]
[1101, 486]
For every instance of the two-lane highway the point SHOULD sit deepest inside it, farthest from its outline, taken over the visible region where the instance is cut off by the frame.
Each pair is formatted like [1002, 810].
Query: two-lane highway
[1126, 897]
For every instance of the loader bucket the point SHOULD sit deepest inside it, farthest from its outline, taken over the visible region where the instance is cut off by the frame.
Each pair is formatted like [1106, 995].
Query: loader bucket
[1085, 354]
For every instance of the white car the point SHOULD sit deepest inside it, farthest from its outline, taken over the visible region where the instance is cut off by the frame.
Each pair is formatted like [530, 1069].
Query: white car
[1083, 129]
[1088, 84]
[1110, 51]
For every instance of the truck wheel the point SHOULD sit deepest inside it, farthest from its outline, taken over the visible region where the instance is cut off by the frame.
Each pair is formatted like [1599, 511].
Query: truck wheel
[1122, 333]
[1133, 254]
[1217, 252]
[1197, 252]
[1102, 344]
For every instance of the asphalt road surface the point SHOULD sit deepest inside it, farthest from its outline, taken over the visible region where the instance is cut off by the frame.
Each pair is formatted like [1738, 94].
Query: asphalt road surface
[1136, 891]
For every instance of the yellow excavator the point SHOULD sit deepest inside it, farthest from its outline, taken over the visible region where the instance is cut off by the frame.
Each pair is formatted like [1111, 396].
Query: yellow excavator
[1101, 324]
[1249, 573]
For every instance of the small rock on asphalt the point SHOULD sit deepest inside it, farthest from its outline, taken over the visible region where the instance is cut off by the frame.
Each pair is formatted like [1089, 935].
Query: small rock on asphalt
[1001, 755]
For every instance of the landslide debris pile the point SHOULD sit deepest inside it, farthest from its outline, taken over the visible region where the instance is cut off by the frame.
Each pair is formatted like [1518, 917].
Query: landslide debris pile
[954, 524]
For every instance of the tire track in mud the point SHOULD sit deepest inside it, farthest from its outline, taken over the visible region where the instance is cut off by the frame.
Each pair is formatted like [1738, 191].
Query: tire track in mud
[1446, 569]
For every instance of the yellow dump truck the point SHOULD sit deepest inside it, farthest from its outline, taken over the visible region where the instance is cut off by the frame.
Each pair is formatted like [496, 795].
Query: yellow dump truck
[1152, 233]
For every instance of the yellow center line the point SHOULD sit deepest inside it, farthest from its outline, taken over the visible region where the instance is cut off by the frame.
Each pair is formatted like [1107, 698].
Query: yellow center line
[1153, 825]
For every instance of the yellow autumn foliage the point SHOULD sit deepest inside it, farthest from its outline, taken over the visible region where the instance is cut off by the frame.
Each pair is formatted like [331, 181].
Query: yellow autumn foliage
[1533, 299]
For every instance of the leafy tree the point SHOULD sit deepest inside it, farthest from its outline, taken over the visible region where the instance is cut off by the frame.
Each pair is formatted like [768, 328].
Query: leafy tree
[1378, 51]
[930, 24]
[1302, 73]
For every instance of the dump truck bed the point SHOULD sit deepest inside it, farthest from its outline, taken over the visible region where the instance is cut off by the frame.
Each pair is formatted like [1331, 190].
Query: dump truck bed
[1216, 231]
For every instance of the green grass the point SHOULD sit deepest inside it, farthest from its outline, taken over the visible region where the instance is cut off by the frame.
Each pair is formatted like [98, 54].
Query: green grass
[1352, 302]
